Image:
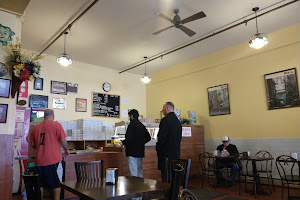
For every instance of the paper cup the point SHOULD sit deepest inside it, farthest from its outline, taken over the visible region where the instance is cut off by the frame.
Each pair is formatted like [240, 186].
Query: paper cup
[294, 155]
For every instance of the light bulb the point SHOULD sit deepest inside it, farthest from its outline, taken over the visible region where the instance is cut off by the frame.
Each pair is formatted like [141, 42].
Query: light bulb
[258, 40]
[145, 78]
[64, 60]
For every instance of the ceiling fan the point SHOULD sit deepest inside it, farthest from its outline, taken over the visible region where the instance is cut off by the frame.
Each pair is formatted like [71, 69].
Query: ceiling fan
[177, 22]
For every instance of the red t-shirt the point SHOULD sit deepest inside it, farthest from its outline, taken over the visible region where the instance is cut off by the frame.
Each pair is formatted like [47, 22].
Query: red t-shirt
[46, 137]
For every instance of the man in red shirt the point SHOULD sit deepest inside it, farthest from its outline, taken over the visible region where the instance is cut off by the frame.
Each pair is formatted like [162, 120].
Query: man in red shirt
[47, 138]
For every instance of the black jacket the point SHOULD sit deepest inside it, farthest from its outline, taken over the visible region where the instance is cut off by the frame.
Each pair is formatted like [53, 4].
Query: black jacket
[135, 139]
[168, 139]
[231, 148]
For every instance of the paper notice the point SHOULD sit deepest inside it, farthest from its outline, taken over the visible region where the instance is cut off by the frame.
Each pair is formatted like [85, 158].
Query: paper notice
[124, 113]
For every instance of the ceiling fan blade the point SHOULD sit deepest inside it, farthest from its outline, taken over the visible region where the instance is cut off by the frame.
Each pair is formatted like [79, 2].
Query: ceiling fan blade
[164, 17]
[188, 31]
[193, 17]
[157, 32]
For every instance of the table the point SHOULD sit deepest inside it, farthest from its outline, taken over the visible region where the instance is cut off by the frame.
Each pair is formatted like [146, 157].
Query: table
[127, 187]
[258, 189]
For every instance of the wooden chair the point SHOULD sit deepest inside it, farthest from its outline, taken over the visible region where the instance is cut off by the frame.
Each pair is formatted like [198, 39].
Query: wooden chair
[89, 170]
[264, 168]
[172, 164]
[288, 170]
[32, 186]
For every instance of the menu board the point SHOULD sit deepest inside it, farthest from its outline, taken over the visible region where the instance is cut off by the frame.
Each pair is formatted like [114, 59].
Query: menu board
[106, 105]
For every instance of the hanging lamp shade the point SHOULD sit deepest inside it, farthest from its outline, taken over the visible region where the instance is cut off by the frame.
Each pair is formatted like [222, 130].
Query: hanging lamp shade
[145, 78]
[64, 59]
[258, 40]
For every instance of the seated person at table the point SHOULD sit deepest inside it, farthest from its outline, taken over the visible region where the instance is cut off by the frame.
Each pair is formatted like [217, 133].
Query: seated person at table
[226, 149]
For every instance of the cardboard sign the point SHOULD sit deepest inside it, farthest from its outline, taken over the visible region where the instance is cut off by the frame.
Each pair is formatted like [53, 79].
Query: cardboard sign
[186, 132]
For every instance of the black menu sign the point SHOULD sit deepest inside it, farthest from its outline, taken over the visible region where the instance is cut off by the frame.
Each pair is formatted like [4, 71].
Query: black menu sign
[106, 105]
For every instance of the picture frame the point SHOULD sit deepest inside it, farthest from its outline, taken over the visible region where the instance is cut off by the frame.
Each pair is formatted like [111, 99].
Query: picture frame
[37, 114]
[282, 89]
[38, 101]
[38, 84]
[81, 105]
[5, 85]
[3, 112]
[59, 103]
[218, 100]
[58, 87]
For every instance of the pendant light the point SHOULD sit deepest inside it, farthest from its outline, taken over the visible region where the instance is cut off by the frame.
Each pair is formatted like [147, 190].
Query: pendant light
[258, 40]
[145, 78]
[64, 59]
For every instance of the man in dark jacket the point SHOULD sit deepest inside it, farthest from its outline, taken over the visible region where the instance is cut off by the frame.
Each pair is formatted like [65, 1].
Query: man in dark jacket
[168, 138]
[227, 149]
[135, 139]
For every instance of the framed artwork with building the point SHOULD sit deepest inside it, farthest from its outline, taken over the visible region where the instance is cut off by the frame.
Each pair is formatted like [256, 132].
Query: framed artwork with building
[218, 100]
[282, 89]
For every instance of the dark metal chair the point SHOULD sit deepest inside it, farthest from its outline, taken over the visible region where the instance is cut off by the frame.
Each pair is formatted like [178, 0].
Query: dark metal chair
[32, 186]
[264, 168]
[186, 194]
[207, 160]
[288, 170]
[171, 164]
[89, 170]
[246, 170]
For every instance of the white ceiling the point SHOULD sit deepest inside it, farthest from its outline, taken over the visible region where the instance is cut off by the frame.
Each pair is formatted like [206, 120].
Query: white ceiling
[118, 33]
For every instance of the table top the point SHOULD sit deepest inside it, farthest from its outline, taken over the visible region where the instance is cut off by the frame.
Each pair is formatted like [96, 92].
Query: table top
[126, 188]
[260, 158]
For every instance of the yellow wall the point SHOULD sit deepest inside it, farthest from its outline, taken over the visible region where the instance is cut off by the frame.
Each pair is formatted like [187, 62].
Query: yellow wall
[90, 79]
[243, 69]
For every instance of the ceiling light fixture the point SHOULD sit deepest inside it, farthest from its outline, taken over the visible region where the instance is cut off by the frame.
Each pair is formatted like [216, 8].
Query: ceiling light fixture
[258, 40]
[145, 78]
[64, 59]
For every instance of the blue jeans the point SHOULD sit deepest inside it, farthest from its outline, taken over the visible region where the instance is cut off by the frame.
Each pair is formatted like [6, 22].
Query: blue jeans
[135, 166]
[234, 168]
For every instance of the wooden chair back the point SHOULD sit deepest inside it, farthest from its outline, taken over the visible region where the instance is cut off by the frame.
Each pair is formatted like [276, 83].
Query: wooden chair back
[265, 165]
[176, 182]
[89, 170]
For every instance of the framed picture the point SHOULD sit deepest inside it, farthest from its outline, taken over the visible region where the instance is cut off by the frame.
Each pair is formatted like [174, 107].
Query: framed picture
[3, 113]
[282, 89]
[81, 105]
[38, 101]
[37, 115]
[4, 88]
[218, 100]
[38, 84]
[59, 103]
[58, 87]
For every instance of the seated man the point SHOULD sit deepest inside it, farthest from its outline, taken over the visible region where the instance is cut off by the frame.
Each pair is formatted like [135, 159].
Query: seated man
[226, 149]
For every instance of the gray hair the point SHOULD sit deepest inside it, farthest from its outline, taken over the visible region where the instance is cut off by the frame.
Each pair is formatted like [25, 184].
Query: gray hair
[48, 112]
[170, 105]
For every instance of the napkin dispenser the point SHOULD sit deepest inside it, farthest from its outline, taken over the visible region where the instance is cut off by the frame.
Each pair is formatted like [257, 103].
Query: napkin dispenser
[111, 175]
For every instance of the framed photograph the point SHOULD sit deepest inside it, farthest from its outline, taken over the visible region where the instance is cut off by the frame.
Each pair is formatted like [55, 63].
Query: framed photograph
[282, 89]
[58, 87]
[4, 88]
[38, 101]
[59, 103]
[218, 100]
[81, 105]
[3, 113]
[37, 115]
[38, 84]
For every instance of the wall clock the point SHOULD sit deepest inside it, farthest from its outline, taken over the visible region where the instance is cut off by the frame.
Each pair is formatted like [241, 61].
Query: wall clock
[106, 87]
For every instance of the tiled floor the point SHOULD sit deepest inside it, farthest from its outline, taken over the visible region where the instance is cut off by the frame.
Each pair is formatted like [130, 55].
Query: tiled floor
[232, 192]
